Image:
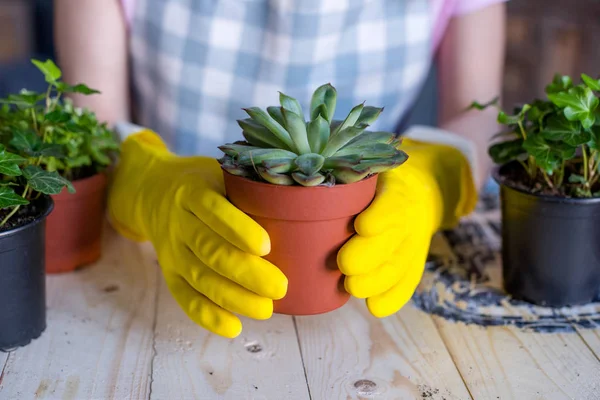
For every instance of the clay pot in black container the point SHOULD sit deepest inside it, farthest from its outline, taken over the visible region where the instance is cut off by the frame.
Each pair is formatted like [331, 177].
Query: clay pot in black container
[22, 277]
[550, 246]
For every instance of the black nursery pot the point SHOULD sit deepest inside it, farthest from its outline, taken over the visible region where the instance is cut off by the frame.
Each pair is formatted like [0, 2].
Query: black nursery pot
[550, 247]
[22, 281]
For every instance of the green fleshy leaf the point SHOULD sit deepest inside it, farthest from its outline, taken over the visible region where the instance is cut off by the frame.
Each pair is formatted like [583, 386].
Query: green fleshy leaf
[348, 161]
[258, 135]
[275, 127]
[8, 198]
[371, 137]
[290, 104]
[324, 95]
[350, 175]
[235, 150]
[309, 164]
[255, 157]
[279, 166]
[296, 127]
[350, 120]
[46, 182]
[274, 178]
[368, 115]
[338, 141]
[318, 134]
[308, 180]
[369, 151]
[275, 113]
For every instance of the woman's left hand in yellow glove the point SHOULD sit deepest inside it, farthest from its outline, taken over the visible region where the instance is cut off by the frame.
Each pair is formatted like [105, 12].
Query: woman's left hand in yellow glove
[385, 260]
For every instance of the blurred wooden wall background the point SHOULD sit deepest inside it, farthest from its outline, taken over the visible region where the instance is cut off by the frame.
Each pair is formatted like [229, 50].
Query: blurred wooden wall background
[545, 37]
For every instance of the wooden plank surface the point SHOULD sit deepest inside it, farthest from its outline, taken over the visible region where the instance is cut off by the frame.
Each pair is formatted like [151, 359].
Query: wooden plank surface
[191, 363]
[349, 354]
[509, 363]
[98, 343]
[591, 337]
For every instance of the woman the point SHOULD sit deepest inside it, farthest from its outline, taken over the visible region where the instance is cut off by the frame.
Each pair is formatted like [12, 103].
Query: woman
[192, 65]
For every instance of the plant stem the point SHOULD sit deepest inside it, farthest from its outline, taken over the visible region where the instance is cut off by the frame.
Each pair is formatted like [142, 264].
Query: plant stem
[34, 116]
[522, 130]
[548, 181]
[9, 216]
[585, 165]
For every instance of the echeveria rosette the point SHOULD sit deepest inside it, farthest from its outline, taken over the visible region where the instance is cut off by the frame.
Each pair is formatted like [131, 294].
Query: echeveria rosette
[283, 148]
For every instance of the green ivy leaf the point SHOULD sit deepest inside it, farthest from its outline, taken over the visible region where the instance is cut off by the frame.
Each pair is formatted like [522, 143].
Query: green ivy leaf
[506, 119]
[559, 128]
[57, 116]
[548, 157]
[560, 83]
[46, 182]
[8, 198]
[51, 72]
[592, 83]
[25, 98]
[594, 142]
[79, 88]
[505, 152]
[574, 178]
[25, 141]
[579, 104]
[49, 150]
[9, 163]
[479, 106]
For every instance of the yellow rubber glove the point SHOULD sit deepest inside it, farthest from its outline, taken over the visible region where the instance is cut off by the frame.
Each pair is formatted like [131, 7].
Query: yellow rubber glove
[385, 260]
[209, 251]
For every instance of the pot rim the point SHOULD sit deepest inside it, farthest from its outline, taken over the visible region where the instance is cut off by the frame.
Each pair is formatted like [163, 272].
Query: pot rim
[40, 218]
[497, 176]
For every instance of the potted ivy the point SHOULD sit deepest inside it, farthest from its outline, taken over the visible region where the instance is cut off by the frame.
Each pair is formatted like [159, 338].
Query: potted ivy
[25, 203]
[74, 228]
[304, 178]
[549, 170]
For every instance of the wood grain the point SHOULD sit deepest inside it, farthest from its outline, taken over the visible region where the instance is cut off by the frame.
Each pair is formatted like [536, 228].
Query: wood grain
[508, 363]
[191, 363]
[592, 338]
[350, 354]
[98, 343]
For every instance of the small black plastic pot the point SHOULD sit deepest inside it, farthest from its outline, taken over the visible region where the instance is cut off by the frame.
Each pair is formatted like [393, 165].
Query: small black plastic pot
[22, 281]
[550, 246]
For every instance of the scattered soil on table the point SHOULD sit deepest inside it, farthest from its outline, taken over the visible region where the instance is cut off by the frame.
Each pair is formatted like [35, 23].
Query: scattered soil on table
[24, 215]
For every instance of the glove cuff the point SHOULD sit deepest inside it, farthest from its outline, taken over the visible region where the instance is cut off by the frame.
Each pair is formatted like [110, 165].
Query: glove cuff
[140, 153]
[445, 161]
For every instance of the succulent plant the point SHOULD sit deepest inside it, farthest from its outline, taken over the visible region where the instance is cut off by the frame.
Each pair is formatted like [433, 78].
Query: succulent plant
[282, 148]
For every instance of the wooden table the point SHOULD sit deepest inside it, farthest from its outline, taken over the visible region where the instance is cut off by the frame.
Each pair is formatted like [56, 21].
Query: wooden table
[114, 332]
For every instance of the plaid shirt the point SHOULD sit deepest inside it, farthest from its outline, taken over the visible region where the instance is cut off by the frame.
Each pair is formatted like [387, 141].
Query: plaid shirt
[196, 64]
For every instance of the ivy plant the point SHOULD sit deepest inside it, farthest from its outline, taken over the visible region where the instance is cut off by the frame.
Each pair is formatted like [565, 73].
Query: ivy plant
[46, 142]
[556, 140]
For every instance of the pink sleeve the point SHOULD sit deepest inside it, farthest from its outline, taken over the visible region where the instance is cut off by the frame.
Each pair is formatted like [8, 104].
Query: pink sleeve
[468, 6]
[444, 10]
[128, 6]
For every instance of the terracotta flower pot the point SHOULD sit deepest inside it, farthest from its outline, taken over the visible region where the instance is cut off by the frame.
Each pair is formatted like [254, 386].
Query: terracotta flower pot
[307, 226]
[74, 228]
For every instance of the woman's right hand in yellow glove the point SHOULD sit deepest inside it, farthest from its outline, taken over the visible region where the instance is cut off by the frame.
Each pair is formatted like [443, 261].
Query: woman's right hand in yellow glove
[210, 252]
